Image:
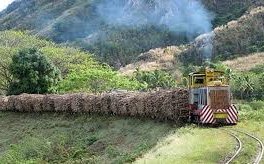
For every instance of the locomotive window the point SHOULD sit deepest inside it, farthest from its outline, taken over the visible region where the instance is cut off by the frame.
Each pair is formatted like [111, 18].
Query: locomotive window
[196, 99]
[203, 97]
[199, 80]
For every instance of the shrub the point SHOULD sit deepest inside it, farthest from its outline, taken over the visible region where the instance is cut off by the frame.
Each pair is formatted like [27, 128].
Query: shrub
[155, 79]
[96, 79]
[32, 73]
[245, 107]
[247, 85]
[261, 49]
[257, 105]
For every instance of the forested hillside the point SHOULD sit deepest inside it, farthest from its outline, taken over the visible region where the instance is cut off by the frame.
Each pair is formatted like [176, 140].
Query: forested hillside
[88, 25]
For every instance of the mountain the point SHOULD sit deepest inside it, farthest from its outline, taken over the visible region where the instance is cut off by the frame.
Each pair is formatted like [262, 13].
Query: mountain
[240, 42]
[118, 31]
[237, 38]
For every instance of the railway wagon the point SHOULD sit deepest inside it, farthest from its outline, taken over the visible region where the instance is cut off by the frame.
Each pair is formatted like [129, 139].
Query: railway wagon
[210, 99]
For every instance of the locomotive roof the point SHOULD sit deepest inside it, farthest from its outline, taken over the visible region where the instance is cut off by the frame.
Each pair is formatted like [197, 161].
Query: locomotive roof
[203, 72]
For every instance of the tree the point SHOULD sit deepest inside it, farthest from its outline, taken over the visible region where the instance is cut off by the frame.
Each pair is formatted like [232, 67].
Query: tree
[155, 79]
[96, 79]
[32, 73]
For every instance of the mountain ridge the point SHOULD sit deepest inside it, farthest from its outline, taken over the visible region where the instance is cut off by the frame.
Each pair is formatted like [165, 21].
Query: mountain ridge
[66, 22]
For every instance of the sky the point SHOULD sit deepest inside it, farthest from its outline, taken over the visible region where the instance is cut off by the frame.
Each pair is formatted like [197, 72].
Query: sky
[4, 4]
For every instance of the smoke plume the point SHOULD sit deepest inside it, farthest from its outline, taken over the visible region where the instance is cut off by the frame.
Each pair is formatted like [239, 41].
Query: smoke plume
[204, 45]
[181, 16]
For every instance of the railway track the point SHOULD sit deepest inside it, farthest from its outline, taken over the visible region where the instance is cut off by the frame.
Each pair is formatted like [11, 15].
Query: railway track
[240, 146]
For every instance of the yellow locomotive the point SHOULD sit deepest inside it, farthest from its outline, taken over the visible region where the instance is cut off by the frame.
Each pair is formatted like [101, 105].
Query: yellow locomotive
[210, 98]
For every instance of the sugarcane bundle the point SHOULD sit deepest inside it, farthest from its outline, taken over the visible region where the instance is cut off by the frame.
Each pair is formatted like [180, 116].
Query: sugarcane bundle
[62, 103]
[131, 107]
[37, 102]
[77, 103]
[162, 105]
[88, 103]
[49, 103]
[116, 103]
[3, 103]
[105, 103]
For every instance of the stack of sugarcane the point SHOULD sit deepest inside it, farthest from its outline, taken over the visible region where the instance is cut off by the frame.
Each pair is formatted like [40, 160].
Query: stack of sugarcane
[161, 105]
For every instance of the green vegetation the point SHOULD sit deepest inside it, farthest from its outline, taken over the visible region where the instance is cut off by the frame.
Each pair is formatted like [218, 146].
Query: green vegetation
[122, 45]
[252, 111]
[78, 138]
[249, 85]
[251, 116]
[226, 11]
[257, 47]
[191, 145]
[249, 150]
[67, 138]
[80, 72]
[155, 79]
[96, 79]
[78, 23]
[32, 72]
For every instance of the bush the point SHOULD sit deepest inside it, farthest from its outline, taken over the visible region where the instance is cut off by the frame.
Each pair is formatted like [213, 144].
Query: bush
[32, 73]
[252, 111]
[261, 49]
[248, 85]
[253, 48]
[245, 107]
[96, 79]
[155, 79]
[257, 105]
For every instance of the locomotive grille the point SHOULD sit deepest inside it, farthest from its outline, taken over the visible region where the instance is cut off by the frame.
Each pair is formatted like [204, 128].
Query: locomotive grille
[219, 99]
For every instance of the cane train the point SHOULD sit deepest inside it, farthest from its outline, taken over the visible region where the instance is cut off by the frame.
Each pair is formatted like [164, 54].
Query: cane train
[210, 98]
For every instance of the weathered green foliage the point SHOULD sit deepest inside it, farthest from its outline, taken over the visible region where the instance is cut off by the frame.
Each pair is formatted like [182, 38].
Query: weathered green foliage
[96, 79]
[79, 70]
[32, 73]
[155, 79]
[248, 85]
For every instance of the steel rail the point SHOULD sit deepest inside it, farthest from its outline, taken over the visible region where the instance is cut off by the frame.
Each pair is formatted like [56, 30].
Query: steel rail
[261, 151]
[238, 149]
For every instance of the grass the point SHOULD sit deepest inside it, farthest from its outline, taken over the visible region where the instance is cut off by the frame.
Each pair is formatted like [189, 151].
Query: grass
[251, 121]
[246, 63]
[210, 145]
[64, 138]
[249, 149]
[191, 145]
[256, 128]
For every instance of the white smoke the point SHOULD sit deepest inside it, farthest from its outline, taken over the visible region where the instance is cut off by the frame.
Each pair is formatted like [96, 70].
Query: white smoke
[181, 16]
[204, 45]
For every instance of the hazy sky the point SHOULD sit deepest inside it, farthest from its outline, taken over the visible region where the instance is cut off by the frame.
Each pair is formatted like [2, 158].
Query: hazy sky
[4, 4]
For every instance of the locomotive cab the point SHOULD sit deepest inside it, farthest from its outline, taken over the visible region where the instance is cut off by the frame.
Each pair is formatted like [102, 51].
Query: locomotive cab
[210, 98]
